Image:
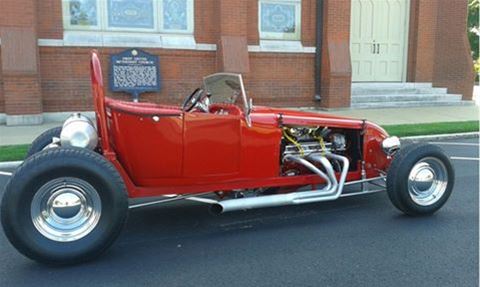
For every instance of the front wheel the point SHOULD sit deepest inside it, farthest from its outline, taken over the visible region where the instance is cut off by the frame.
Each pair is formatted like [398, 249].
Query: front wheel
[44, 140]
[420, 179]
[64, 206]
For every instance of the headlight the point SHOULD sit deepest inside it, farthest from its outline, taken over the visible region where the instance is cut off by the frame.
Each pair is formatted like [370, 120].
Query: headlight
[391, 145]
[79, 131]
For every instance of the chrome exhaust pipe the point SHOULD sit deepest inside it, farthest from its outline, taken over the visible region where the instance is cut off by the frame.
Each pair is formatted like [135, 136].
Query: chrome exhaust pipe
[345, 168]
[330, 191]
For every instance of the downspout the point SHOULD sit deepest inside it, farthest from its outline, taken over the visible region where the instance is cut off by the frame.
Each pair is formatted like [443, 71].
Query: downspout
[318, 51]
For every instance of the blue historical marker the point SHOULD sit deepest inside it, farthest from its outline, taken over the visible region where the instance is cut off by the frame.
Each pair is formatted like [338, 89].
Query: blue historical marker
[134, 71]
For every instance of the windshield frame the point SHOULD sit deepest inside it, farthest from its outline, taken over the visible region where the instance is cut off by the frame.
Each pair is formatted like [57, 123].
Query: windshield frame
[246, 107]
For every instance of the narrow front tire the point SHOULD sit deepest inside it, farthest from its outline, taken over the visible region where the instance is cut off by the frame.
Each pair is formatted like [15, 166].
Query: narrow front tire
[44, 140]
[420, 179]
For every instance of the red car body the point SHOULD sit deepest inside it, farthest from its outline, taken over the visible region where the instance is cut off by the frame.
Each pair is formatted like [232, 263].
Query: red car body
[161, 150]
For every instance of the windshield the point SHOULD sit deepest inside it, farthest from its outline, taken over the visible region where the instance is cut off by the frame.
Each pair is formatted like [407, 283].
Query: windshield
[226, 88]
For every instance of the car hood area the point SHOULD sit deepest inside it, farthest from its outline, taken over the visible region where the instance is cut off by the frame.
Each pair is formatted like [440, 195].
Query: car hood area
[297, 117]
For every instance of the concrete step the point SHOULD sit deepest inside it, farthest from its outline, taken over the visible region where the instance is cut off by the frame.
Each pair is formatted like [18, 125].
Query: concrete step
[395, 88]
[391, 85]
[408, 104]
[392, 95]
[397, 91]
[405, 98]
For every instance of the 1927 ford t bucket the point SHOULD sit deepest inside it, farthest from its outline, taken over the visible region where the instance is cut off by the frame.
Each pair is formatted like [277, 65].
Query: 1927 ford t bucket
[69, 199]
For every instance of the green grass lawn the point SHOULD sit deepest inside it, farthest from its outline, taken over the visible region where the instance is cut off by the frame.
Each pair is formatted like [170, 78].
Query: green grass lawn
[13, 152]
[432, 129]
[17, 152]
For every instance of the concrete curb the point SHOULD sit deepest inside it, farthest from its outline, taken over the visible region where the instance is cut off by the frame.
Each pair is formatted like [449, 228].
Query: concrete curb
[9, 164]
[472, 135]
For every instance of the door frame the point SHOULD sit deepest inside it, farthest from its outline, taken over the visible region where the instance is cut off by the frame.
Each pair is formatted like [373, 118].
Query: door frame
[407, 41]
[406, 47]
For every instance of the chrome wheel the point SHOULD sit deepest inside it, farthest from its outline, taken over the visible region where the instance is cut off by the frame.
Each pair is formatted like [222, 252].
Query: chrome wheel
[66, 209]
[427, 181]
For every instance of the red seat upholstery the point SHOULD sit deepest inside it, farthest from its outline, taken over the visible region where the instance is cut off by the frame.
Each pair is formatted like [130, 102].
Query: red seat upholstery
[231, 109]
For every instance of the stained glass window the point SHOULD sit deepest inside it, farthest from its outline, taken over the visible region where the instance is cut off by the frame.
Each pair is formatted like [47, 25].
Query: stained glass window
[279, 19]
[175, 15]
[131, 14]
[83, 12]
[168, 16]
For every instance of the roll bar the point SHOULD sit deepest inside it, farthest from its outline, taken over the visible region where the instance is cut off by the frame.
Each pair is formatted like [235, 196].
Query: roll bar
[99, 101]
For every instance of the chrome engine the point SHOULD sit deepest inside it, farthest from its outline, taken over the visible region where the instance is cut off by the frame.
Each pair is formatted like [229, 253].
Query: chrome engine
[315, 163]
[302, 141]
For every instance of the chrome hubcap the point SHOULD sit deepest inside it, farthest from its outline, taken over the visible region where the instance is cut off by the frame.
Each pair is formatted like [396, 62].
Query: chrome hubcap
[427, 181]
[66, 209]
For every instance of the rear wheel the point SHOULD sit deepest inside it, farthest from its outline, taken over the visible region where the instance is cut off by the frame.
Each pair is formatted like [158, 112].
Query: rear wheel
[420, 179]
[64, 206]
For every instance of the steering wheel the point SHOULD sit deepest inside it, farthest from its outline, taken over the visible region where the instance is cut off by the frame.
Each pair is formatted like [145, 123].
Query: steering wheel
[192, 100]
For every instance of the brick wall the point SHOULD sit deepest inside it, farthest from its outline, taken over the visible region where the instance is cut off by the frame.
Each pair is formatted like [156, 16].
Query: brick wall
[2, 99]
[309, 22]
[50, 23]
[22, 92]
[439, 51]
[206, 29]
[232, 18]
[292, 84]
[336, 67]
[422, 36]
[19, 64]
[18, 13]
[453, 64]
[252, 25]
[65, 81]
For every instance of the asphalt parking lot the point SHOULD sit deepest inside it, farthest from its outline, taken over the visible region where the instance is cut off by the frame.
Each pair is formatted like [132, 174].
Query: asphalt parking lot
[356, 241]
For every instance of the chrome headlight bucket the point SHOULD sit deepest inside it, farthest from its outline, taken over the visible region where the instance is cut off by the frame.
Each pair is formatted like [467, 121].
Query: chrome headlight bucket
[391, 145]
[79, 131]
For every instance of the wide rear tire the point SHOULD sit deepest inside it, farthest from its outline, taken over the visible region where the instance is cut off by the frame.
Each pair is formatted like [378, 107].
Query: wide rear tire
[64, 206]
[420, 179]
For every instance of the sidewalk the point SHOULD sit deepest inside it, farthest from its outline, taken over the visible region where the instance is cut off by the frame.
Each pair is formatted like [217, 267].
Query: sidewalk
[22, 134]
[26, 134]
[413, 115]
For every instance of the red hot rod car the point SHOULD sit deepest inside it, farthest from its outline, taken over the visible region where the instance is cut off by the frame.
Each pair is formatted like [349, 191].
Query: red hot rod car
[69, 199]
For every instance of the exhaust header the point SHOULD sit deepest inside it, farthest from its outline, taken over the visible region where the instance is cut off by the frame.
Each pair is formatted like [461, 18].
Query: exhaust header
[330, 191]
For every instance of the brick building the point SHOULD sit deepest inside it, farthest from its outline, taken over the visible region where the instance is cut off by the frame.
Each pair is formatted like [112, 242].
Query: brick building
[44, 47]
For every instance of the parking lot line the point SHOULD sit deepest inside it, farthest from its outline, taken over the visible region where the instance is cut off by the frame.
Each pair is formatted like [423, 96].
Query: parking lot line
[465, 158]
[454, 143]
[5, 173]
